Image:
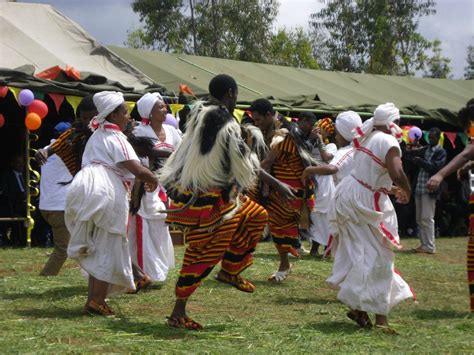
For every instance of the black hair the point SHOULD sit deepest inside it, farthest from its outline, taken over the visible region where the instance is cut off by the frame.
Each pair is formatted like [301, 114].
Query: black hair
[87, 104]
[311, 117]
[262, 106]
[470, 102]
[466, 115]
[436, 131]
[221, 84]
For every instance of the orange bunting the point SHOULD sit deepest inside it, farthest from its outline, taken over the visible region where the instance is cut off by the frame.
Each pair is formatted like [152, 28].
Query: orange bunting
[185, 89]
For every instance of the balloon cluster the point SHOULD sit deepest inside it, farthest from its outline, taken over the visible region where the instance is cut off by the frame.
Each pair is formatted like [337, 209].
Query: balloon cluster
[37, 109]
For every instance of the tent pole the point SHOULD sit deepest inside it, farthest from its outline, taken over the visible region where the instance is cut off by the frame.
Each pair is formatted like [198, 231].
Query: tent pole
[362, 114]
[31, 186]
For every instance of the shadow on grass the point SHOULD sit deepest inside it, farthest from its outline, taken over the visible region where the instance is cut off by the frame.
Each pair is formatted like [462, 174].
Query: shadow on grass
[334, 327]
[53, 312]
[161, 330]
[438, 314]
[56, 293]
[284, 300]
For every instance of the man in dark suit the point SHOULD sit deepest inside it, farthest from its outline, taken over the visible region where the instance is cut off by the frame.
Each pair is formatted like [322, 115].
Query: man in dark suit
[13, 202]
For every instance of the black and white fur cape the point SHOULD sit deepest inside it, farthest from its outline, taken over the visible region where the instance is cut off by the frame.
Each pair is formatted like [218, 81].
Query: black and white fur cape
[212, 153]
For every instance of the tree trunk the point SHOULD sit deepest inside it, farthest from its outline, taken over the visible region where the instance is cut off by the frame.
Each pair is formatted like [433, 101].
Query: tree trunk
[193, 24]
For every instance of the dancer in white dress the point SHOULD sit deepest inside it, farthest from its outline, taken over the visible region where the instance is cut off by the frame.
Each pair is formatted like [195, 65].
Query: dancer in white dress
[340, 166]
[363, 269]
[150, 244]
[96, 212]
[324, 191]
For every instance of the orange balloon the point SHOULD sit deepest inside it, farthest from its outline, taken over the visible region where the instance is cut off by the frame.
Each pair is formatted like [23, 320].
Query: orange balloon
[32, 121]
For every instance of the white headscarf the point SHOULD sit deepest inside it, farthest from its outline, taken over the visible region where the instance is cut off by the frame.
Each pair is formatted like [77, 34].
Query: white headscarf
[146, 103]
[346, 123]
[105, 102]
[384, 115]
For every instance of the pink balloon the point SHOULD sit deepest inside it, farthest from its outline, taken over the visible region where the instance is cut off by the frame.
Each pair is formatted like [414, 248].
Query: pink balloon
[25, 97]
[171, 121]
[414, 134]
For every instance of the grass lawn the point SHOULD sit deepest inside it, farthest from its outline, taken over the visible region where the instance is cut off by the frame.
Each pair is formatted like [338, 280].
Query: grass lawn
[41, 314]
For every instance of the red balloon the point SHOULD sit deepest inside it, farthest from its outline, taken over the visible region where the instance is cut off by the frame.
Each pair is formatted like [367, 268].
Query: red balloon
[32, 121]
[38, 107]
[2, 120]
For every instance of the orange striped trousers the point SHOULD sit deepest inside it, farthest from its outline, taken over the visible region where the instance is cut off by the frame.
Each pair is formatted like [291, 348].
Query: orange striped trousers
[232, 242]
[283, 221]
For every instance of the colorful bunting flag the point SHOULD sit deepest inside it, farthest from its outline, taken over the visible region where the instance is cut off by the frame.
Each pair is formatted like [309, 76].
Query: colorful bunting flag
[464, 138]
[451, 138]
[16, 92]
[74, 101]
[175, 108]
[58, 99]
[238, 114]
[39, 95]
[130, 105]
[185, 89]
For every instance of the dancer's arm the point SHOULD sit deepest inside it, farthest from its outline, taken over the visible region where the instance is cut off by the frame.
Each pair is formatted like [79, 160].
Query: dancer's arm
[141, 173]
[394, 165]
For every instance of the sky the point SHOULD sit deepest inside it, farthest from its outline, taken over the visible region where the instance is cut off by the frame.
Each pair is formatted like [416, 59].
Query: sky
[109, 20]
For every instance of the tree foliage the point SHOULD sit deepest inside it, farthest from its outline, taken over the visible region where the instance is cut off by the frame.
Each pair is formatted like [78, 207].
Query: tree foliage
[239, 29]
[437, 66]
[469, 70]
[292, 48]
[374, 36]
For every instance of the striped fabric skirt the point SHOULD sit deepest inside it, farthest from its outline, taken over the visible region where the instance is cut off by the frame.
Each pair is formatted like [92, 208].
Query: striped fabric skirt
[232, 241]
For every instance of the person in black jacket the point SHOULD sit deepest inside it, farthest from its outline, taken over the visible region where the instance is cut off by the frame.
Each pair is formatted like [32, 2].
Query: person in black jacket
[429, 163]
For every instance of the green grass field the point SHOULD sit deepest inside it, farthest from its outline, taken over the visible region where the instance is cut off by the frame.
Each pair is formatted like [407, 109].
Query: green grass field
[302, 315]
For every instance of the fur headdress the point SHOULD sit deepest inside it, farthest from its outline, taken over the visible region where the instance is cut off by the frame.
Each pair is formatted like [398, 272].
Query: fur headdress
[212, 153]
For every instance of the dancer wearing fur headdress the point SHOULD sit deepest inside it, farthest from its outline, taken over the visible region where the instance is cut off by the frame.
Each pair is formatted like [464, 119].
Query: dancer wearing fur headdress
[205, 178]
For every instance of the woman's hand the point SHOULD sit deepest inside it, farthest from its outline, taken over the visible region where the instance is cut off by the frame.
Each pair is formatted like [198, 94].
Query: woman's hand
[151, 186]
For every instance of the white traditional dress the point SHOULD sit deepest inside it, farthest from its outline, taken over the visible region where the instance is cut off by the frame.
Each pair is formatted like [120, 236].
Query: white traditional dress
[366, 222]
[97, 209]
[324, 192]
[151, 246]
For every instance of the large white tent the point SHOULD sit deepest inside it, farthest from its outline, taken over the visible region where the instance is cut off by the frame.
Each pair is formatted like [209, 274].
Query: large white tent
[39, 35]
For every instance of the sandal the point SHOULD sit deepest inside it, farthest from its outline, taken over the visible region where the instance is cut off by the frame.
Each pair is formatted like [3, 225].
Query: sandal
[361, 318]
[183, 323]
[142, 284]
[236, 281]
[280, 276]
[386, 329]
[93, 308]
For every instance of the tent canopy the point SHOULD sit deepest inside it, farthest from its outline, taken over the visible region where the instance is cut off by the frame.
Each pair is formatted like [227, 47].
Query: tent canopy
[39, 35]
[438, 99]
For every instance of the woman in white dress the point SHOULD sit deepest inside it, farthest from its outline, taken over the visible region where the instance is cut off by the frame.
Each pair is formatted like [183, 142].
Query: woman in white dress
[319, 230]
[339, 167]
[96, 212]
[363, 270]
[151, 246]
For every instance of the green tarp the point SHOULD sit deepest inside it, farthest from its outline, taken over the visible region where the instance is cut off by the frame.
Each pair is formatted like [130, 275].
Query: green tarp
[438, 99]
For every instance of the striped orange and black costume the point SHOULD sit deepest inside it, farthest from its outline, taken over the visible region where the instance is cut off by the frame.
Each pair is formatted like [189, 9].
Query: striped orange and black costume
[216, 231]
[284, 219]
[219, 224]
[63, 148]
